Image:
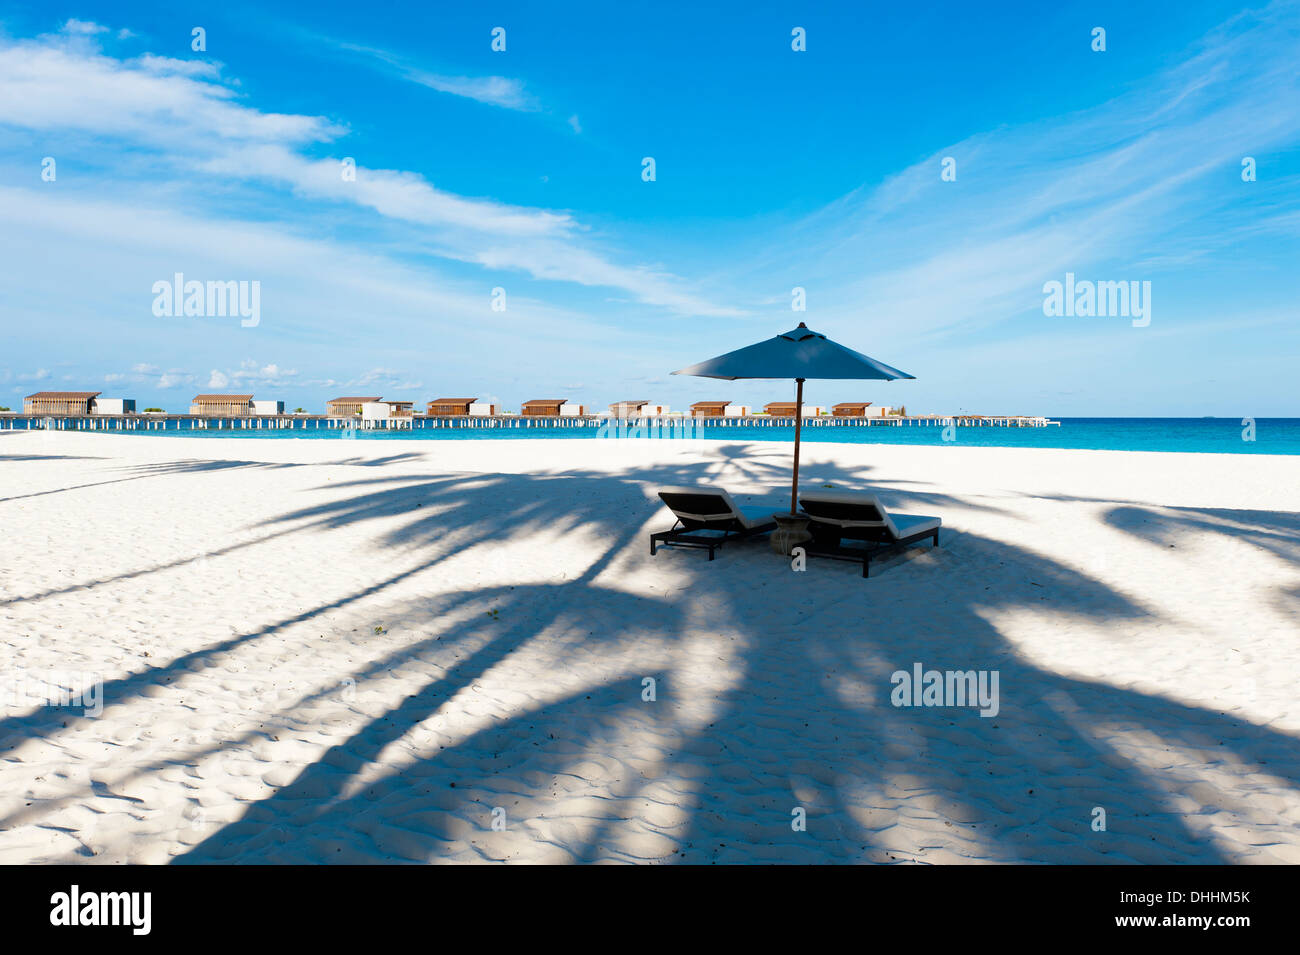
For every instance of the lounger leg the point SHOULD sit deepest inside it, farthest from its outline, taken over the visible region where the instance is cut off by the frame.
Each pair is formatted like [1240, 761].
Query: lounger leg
[866, 562]
[710, 553]
[936, 538]
[652, 545]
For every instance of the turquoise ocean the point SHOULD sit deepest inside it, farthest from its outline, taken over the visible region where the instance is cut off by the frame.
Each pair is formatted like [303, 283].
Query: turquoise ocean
[1200, 435]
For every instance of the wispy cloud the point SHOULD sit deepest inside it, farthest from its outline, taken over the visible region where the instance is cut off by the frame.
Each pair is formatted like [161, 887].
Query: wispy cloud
[322, 300]
[1144, 181]
[174, 379]
[187, 117]
[494, 90]
[381, 378]
[497, 90]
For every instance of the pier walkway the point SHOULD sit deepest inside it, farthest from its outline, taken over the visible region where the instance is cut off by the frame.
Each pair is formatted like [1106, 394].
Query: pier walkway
[663, 424]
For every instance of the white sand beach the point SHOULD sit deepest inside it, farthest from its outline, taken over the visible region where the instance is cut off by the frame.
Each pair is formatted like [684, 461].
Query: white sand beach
[368, 650]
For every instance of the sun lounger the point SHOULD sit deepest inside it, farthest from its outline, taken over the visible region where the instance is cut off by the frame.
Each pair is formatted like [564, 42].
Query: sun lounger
[707, 518]
[854, 525]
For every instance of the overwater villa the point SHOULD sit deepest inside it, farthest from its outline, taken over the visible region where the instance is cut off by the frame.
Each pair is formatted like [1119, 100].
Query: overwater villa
[718, 409]
[459, 408]
[636, 409]
[222, 406]
[60, 402]
[864, 409]
[709, 409]
[851, 409]
[383, 410]
[787, 409]
[117, 406]
[347, 407]
[550, 408]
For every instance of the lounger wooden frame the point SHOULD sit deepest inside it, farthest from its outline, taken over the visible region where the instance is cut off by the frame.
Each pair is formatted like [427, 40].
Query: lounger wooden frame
[702, 523]
[876, 537]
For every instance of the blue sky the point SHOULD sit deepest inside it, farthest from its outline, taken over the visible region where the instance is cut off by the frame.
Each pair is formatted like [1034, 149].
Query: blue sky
[522, 170]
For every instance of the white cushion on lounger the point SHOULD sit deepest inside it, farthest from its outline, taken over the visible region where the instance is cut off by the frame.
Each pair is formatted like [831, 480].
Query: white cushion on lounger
[898, 525]
[748, 516]
[753, 516]
[905, 525]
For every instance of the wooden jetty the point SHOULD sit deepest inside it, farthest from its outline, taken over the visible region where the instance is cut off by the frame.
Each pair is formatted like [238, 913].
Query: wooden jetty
[665, 424]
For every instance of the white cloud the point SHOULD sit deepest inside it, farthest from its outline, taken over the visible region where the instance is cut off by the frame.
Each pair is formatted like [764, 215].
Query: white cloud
[394, 194]
[251, 372]
[168, 66]
[573, 122]
[45, 86]
[196, 124]
[217, 379]
[374, 376]
[126, 244]
[83, 28]
[494, 90]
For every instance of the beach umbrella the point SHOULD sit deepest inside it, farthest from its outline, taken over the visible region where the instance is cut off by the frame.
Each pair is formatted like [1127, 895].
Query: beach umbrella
[800, 353]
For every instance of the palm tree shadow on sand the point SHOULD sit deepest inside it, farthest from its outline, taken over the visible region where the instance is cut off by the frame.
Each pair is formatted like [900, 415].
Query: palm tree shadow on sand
[803, 721]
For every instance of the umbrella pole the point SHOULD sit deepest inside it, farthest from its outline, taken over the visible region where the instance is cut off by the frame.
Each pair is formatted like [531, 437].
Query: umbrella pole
[798, 427]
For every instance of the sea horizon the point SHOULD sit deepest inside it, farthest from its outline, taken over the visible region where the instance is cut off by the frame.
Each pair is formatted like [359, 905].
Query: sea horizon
[1186, 435]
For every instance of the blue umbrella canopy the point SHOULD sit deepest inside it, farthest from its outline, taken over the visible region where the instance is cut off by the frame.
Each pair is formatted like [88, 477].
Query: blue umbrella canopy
[799, 354]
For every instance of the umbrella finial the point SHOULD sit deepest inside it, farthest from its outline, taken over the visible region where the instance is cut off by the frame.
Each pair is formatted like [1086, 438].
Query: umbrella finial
[802, 325]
